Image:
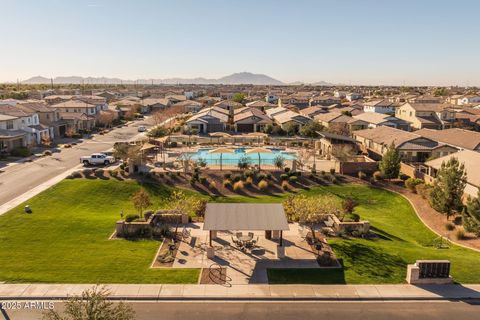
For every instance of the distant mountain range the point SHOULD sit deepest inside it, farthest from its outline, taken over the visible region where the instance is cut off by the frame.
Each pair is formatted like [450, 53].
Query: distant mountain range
[235, 78]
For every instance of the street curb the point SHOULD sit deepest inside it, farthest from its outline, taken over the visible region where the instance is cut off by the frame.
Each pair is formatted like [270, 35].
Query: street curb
[246, 299]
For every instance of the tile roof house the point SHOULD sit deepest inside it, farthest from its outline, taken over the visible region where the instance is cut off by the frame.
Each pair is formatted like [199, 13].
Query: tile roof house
[311, 111]
[380, 106]
[250, 120]
[378, 119]
[261, 105]
[412, 147]
[11, 134]
[470, 160]
[460, 138]
[213, 119]
[29, 122]
[427, 115]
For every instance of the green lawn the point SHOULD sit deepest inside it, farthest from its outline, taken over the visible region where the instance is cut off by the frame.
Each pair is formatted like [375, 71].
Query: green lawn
[65, 239]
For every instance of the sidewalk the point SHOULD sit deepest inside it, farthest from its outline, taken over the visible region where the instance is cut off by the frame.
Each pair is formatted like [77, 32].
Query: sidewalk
[158, 292]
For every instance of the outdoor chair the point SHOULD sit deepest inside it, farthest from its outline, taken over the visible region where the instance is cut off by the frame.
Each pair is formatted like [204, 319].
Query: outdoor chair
[250, 235]
[238, 234]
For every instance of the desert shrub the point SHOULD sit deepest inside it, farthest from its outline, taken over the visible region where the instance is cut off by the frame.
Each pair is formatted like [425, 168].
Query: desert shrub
[227, 183]
[284, 176]
[449, 226]
[123, 166]
[293, 179]
[348, 205]
[122, 172]
[227, 176]
[261, 176]
[333, 179]
[212, 185]
[203, 180]
[323, 173]
[47, 153]
[76, 175]
[286, 170]
[161, 231]
[99, 173]
[262, 185]
[362, 175]
[460, 234]
[87, 172]
[378, 175]
[237, 186]
[131, 217]
[248, 174]
[351, 217]
[332, 170]
[373, 180]
[269, 176]
[285, 185]
[403, 176]
[411, 184]
[20, 152]
[248, 181]
[423, 190]
[236, 178]
[313, 172]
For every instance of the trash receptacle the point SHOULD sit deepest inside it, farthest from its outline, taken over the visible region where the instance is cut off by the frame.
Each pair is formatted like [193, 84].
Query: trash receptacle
[268, 234]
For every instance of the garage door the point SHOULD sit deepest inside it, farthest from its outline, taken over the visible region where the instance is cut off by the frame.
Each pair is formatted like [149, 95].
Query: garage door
[215, 127]
[244, 127]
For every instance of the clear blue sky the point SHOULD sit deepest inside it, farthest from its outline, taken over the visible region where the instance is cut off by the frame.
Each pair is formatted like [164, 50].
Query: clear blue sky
[359, 42]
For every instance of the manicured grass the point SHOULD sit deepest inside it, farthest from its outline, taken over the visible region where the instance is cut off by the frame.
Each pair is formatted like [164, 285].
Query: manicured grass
[65, 239]
[402, 240]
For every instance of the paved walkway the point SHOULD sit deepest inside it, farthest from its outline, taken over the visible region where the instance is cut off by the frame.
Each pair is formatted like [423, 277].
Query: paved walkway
[246, 292]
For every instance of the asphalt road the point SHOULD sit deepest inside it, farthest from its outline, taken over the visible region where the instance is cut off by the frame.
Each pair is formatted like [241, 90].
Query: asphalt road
[17, 179]
[330, 310]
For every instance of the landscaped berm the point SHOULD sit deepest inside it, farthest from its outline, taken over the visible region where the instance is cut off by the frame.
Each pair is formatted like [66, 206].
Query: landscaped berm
[66, 238]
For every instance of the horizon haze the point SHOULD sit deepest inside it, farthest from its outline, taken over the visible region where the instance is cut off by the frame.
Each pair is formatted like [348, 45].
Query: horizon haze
[368, 42]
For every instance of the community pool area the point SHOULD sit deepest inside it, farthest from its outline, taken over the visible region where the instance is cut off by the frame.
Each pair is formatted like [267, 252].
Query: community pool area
[235, 155]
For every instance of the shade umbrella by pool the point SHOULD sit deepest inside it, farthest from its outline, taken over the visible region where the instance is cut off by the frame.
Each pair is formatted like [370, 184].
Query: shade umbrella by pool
[221, 151]
[219, 135]
[259, 151]
[258, 135]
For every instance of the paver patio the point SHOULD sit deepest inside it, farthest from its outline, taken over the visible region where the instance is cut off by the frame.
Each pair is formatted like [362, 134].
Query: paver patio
[244, 267]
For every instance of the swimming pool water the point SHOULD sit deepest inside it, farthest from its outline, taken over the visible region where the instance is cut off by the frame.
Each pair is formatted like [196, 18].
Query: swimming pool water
[232, 158]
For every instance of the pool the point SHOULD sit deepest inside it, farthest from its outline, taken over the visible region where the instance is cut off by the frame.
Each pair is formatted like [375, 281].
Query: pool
[232, 158]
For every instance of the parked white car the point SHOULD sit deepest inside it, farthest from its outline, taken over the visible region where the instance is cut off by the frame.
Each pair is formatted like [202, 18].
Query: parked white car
[96, 159]
[142, 129]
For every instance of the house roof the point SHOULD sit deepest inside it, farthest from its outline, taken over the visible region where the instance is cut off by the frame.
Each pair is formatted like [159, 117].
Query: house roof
[245, 217]
[331, 116]
[290, 116]
[252, 112]
[469, 158]
[260, 104]
[14, 111]
[465, 139]
[386, 135]
[5, 117]
[311, 111]
[73, 104]
[5, 134]
[374, 117]
[436, 107]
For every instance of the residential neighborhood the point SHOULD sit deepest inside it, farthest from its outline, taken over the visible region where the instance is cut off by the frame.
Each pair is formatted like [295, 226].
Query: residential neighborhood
[239, 160]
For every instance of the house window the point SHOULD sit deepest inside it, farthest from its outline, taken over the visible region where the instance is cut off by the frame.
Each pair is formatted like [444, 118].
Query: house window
[9, 124]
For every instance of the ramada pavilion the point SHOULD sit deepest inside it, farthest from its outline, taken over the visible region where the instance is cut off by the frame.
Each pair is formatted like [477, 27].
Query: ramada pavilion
[246, 239]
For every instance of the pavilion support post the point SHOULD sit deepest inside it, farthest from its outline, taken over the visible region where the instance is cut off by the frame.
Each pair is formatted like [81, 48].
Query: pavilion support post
[210, 237]
[281, 238]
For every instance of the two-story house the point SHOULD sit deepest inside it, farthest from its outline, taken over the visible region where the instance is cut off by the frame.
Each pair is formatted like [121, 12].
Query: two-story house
[380, 106]
[29, 122]
[77, 114]
[427, 115]
[11, 136]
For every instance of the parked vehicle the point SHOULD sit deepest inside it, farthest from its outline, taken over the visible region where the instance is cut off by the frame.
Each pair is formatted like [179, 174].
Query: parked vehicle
[96, 159]
[142, 129]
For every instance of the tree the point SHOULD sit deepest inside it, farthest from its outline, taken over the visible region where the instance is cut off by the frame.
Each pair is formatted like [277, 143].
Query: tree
[238, 97]
[157, 132]
[310, 211]
[291, 129]
[310, 129]
[279, 161]
[244, 162]
[141, 200]
[471, 215]
[347, 113]
[390, 164]
[447, 192]
[268, 129]
[106, 119]
[92, 304]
